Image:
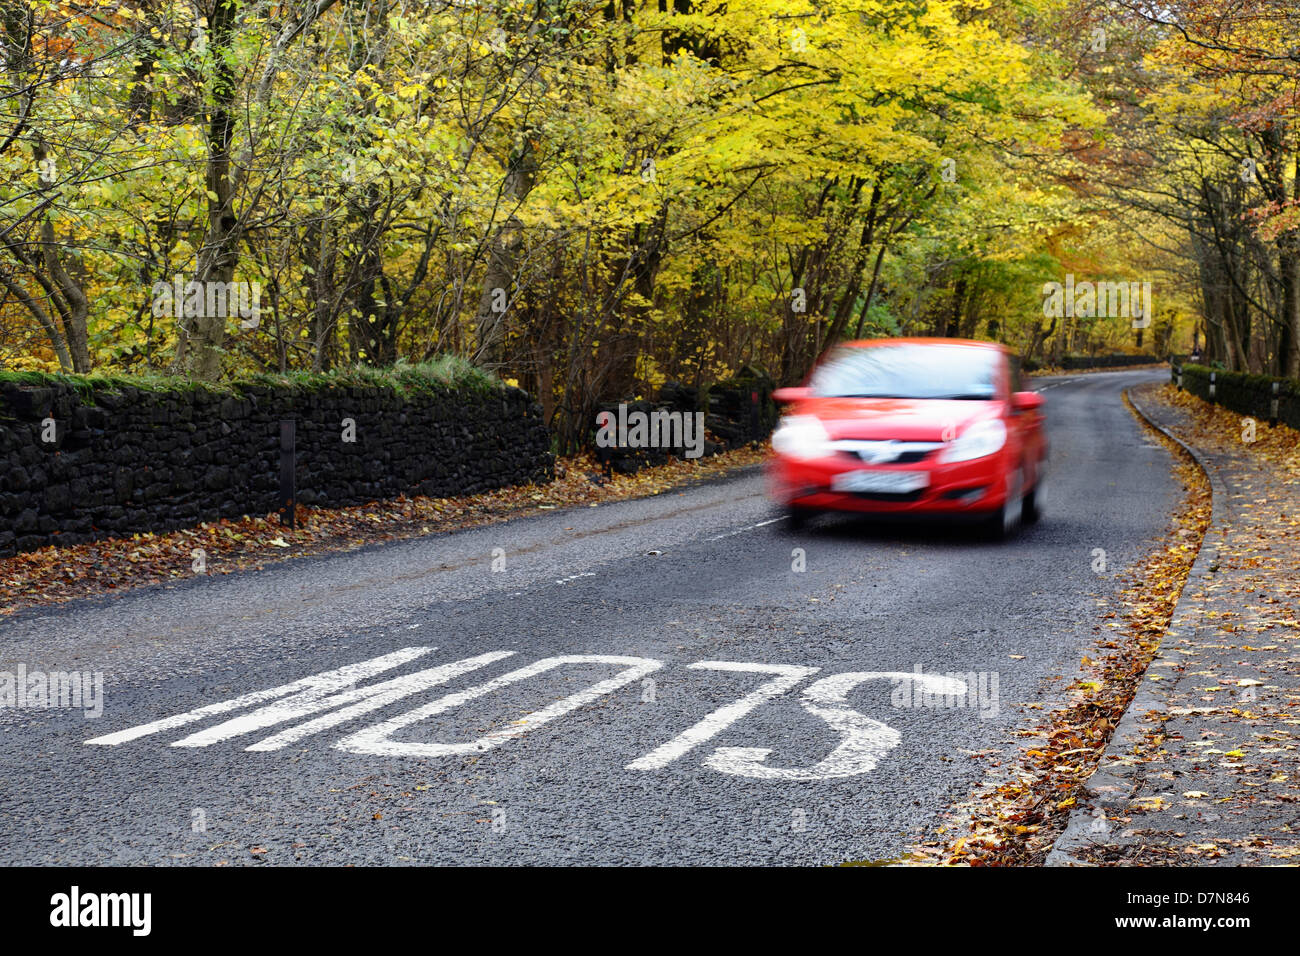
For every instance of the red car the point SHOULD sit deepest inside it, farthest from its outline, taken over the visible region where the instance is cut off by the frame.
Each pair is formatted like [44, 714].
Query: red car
[912, 427]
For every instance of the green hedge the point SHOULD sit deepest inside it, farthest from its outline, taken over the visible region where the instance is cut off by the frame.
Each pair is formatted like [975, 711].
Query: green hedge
[1248, 394]
[441, 374]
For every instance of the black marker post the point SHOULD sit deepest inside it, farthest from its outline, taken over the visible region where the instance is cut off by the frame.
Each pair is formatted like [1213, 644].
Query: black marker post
[288, 471]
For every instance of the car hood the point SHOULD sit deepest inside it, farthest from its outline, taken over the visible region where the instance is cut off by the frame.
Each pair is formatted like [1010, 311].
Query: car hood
[906, 419]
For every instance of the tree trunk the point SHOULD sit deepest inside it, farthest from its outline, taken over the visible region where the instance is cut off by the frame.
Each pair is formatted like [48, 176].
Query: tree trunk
[202, 337]
[499, 279]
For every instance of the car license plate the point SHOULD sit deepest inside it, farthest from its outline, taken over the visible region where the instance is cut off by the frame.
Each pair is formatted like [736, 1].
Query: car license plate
[880, 482]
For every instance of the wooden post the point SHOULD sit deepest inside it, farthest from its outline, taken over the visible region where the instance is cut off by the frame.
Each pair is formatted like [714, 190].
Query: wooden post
[288, 474]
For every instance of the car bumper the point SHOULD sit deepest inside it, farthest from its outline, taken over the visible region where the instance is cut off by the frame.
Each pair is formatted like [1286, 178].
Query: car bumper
[972, 488]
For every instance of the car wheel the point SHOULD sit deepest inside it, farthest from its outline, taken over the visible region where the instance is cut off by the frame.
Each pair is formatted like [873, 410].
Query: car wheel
[1033, 507]
[1002, 524]
[796, 519]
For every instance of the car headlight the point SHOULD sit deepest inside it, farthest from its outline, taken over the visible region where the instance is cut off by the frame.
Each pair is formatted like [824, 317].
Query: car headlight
[802, 436]
[981, 439]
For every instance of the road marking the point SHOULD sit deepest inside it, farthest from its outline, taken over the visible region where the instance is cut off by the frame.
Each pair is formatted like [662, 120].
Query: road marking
[332, 696]
[719, 537]
[864, 740]
[724, 717]
[327, 682]
[378, 740]
[363, 701]
[1056, 384]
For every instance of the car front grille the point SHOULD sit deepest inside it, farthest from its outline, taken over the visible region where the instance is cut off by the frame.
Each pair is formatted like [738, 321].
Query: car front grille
[886, 452]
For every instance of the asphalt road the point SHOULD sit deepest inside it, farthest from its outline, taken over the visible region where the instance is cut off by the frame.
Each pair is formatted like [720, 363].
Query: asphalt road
[635, 757]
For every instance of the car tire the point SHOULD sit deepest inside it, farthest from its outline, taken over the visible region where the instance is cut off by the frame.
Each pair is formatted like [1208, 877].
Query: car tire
[796, 519]
[1005, 521]
[1033, 506]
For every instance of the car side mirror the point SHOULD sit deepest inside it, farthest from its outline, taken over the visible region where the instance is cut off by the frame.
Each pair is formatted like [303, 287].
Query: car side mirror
[1026, 401]
[791, 394]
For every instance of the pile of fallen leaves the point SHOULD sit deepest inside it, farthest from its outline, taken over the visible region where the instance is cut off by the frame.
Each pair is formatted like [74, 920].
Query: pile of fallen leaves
[1016, 822]
[1240, 745]
[54, 574]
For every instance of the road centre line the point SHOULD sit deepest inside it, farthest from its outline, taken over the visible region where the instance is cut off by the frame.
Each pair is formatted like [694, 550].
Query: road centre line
[1055, 384]
[751, 527]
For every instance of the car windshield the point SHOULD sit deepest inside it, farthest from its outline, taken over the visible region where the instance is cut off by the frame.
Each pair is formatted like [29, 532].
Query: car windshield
[908, 371]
